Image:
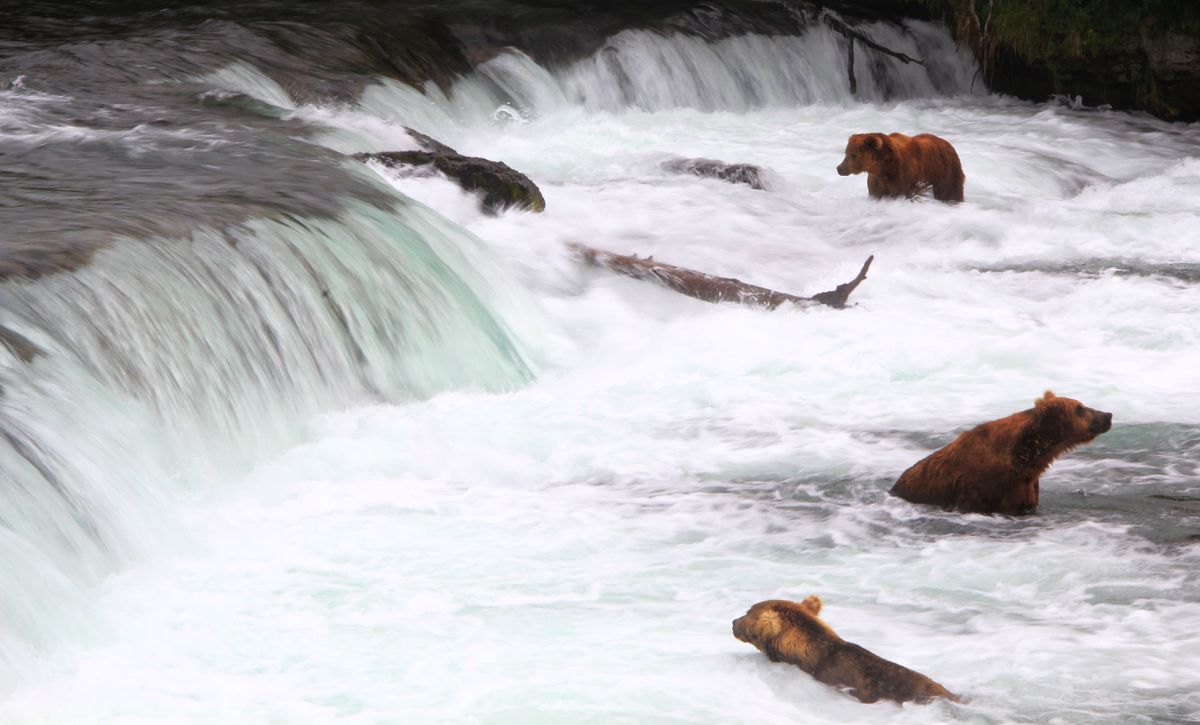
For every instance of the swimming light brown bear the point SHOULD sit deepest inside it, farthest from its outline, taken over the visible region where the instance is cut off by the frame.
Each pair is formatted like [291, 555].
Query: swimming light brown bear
[994, 468]
[792, 632]
[905, 166]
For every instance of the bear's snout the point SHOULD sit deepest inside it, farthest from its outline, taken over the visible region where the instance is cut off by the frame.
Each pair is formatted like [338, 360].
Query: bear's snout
[737, 629]
[842, 170]
[1101, 422]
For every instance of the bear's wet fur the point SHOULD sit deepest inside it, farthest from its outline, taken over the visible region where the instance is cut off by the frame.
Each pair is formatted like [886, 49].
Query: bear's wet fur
[994, 467]
[793, 632]
[905, 166]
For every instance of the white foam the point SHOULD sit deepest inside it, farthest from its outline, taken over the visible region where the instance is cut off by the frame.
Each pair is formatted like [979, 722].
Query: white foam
[574, 551]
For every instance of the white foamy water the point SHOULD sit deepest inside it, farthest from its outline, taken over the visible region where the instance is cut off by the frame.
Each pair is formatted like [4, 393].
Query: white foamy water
[574, 550]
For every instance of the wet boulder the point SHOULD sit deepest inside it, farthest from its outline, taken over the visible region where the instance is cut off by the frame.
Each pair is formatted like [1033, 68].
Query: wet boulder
[752, 176]
[429, 143]
[20, 346]
[499, 185]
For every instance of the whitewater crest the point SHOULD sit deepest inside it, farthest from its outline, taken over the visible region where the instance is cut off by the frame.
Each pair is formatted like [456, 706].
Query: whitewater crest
[186, 360]
[189, 322]
[650, 72]
[641, 70]
[390, 456]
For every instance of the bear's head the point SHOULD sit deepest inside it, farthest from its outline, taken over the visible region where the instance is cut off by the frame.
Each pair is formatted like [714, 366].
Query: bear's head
[865, 152]
[1065, 422]
[784, 630]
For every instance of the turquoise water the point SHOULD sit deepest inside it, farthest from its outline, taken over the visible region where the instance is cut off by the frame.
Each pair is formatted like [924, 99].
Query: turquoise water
[500, 487]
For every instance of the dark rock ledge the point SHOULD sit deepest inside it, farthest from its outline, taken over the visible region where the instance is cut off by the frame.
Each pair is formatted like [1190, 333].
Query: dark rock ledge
[499, 185]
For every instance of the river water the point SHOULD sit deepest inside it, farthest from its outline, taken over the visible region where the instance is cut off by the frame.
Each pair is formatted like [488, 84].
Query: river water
[306, 440]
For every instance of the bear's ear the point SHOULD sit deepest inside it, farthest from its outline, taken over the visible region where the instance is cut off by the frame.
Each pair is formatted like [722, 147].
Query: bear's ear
[811, 604]
[874, 141]
[1046, 398]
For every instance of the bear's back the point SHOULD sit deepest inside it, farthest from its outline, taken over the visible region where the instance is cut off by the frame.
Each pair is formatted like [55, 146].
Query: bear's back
[973, 473]
[871, 678]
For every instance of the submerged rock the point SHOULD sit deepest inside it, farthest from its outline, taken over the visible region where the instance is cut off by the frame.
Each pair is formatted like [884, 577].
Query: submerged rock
[19, 345]
[748, 174]
[429, 143]
[501, 186]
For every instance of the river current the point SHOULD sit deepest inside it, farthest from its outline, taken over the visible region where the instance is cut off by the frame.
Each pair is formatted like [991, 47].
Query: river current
[304, 440]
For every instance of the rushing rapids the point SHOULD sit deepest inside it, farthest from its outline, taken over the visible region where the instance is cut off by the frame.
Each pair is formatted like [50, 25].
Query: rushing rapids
[289, 437]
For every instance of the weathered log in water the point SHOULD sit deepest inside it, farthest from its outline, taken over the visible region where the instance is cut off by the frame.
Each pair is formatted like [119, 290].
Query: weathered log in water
[711, 288]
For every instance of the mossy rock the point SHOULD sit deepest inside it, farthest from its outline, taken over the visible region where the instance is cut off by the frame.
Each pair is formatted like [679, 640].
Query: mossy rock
[499, 185]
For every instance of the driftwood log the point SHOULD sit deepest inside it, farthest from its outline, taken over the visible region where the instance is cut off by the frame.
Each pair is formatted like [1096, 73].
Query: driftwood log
[711, 288]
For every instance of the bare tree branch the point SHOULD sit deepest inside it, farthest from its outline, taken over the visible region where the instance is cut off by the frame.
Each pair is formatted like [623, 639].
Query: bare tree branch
[850, 69]
[853, 34]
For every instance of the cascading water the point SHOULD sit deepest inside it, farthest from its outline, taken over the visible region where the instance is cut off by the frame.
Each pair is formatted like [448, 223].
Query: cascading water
[290, 438]
[169, 362]
[646, 71]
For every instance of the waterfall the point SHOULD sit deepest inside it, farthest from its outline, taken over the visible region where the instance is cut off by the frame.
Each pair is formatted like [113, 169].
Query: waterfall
[643, 70]
[222, 309]
[165, 362]
[648, 71]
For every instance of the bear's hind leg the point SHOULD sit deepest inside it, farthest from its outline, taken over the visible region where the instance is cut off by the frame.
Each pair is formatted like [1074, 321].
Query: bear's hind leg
[948, 190]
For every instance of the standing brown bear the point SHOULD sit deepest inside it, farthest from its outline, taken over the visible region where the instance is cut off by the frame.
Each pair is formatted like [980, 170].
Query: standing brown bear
[994, 467]
[899, 165]
[792, 632]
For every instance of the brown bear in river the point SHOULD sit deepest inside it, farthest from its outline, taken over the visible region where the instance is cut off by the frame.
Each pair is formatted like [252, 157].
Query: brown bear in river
[994, 467]
[792, 632]
[899, 165]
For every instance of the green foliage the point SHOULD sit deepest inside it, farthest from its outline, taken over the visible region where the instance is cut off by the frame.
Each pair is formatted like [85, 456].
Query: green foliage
[1044, 30]
[1085, 28]
[1095, 48]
